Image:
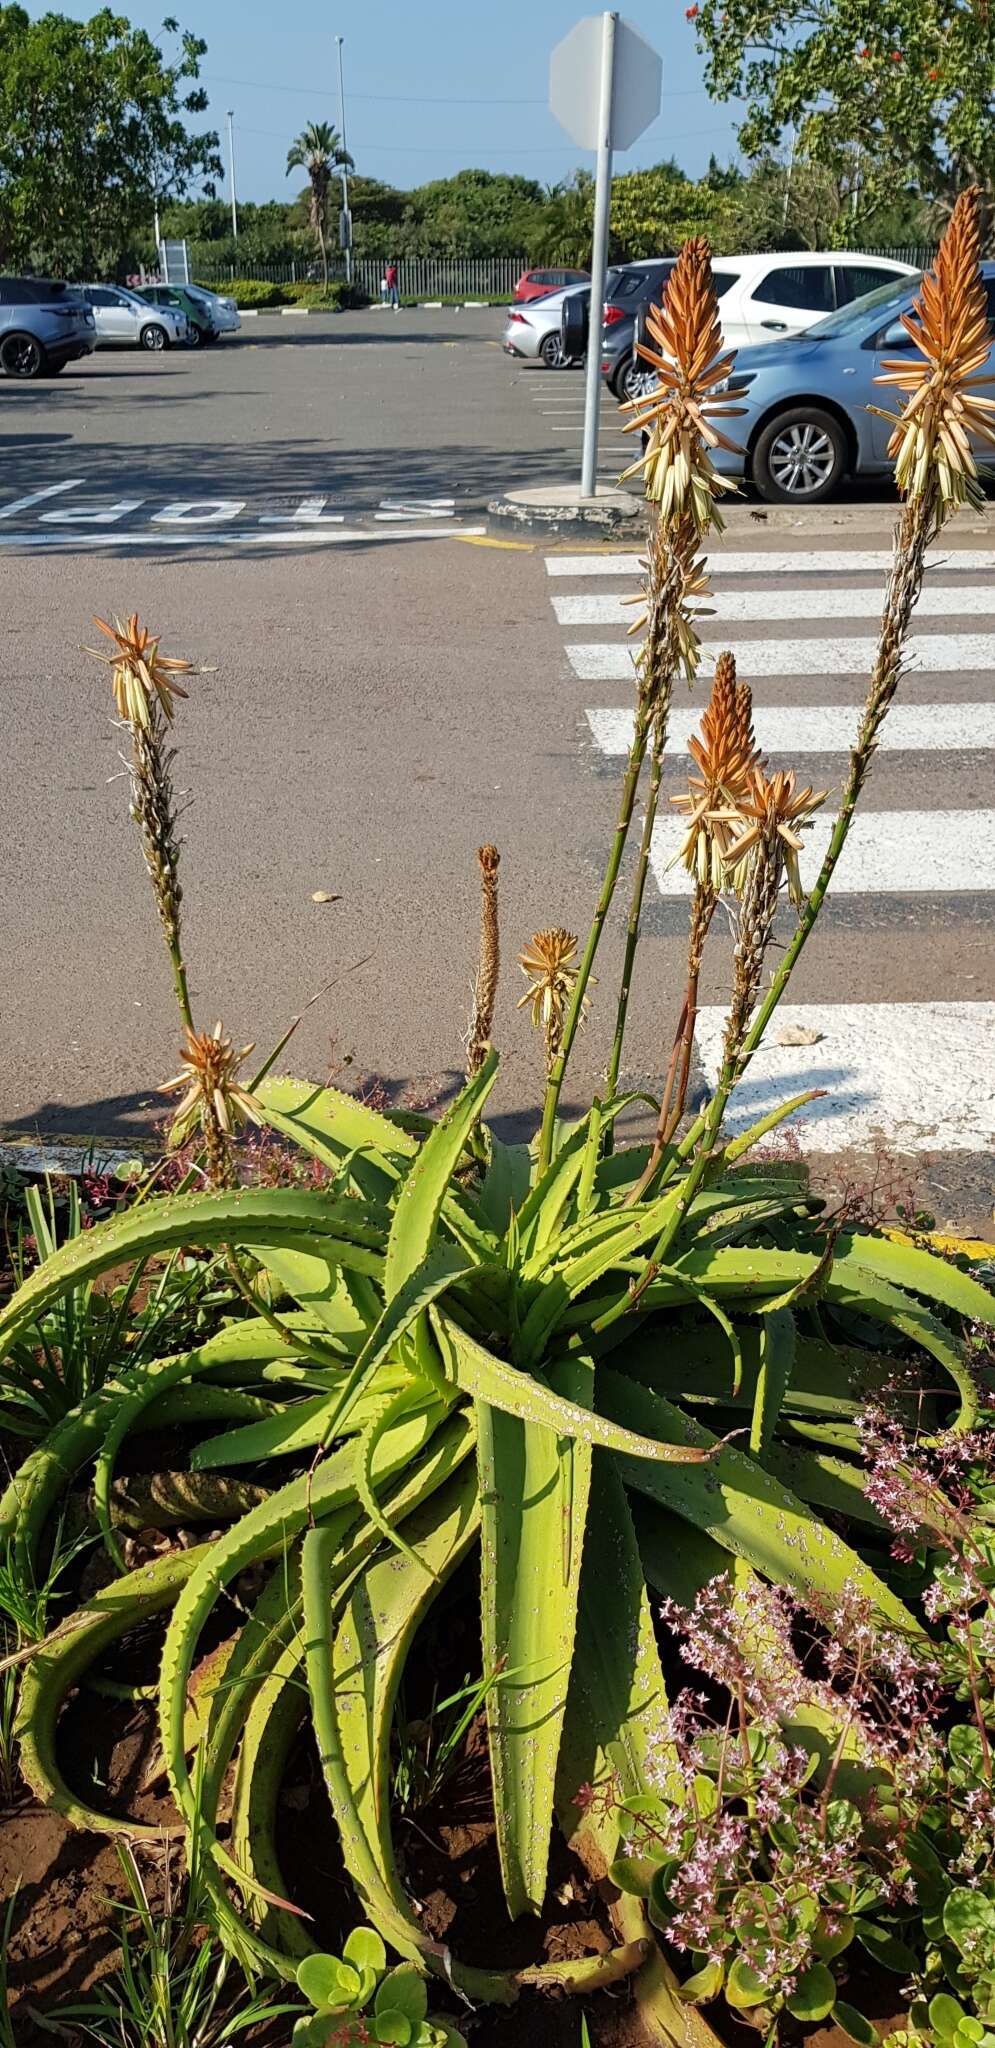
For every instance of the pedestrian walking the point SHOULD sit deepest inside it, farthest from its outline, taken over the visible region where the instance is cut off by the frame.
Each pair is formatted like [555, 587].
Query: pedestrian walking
[392, 291]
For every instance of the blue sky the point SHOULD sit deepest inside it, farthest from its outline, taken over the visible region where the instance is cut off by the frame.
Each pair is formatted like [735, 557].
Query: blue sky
[431, 88]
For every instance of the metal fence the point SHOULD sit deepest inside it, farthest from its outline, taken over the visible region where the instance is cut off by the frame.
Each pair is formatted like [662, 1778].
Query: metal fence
[431, 277]
[421, 277]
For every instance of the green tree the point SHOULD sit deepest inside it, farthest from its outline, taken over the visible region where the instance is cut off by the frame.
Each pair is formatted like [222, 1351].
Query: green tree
[885, 94]
[654, 211]
[92, 125]
[318, 151]
[561, 232]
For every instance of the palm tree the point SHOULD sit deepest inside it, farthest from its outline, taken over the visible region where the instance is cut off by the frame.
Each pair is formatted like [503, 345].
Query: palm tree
[318, 151]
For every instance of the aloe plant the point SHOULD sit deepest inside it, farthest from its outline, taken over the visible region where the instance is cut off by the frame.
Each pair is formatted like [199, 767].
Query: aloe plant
[451, 1350]
[600, 1374]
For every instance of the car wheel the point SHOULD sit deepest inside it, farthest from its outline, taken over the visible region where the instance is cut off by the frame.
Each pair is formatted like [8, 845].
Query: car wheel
[194, 337]
[154, 337]
[800, 457]
[21, 356]
[627, 378]
[551, 351]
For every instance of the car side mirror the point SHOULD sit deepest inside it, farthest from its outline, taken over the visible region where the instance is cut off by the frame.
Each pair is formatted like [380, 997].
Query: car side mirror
[896, 336]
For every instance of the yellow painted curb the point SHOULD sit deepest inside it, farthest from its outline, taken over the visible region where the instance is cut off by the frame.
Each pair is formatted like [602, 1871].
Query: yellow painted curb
[966, 1247]
[480, 540]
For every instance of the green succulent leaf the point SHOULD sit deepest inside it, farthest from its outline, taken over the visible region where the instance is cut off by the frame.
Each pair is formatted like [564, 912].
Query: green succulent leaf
[633, 1874]
[534, 1488]
[854, 2024]
[327, 1983]
[704, 1984]
[427, 1181]
[403, 1990]
[743, 1987]
[777, 1357]
[814, 1994]
[886, 1947]
[364, 1949]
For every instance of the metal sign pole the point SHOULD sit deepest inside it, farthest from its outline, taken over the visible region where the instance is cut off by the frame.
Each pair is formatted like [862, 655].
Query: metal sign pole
[599, 259]
[345, 225]
[231, 171]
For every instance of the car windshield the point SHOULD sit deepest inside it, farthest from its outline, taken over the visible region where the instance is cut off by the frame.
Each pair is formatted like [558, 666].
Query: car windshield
[850, 319]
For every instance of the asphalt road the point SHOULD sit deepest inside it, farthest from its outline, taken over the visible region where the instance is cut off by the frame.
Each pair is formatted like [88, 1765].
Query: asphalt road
[375, 704]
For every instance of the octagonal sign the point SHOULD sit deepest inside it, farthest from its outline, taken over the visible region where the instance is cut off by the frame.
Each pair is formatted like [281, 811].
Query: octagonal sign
[575, 83]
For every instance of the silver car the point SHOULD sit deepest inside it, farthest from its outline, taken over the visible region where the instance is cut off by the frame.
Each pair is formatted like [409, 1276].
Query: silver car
[123, 320]
[533, 330]
[224, 314]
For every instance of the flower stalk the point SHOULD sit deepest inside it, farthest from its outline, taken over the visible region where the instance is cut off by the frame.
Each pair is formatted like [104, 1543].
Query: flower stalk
[489, 965]
[677, 421]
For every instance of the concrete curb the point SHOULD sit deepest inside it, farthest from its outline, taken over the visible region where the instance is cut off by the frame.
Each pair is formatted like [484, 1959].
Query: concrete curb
[558, 512]
[53, 1154]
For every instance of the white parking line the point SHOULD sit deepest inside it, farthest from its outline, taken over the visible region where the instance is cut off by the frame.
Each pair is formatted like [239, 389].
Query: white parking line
[729, 561]
[887, 853]
[218, 537]
[72, 483]
[921, 1075]
[737, 607]
[931, 654]
[787, 730]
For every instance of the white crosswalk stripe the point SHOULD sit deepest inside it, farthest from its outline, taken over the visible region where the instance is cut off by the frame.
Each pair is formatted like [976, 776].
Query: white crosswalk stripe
[812, 659]
[784, 730]
[887, 852]
[800, 562]
[763, 607]
[915, 1075]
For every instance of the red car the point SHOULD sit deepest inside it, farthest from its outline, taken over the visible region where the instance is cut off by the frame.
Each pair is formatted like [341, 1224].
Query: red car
[534, 284]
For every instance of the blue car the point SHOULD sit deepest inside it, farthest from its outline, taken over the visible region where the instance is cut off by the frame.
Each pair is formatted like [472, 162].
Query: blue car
[805, 424]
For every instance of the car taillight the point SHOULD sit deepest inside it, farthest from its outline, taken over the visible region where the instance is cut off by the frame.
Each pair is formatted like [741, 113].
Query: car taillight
[613, 314]
[519, 317]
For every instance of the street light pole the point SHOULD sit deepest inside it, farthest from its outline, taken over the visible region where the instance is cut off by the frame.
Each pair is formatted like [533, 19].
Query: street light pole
[345, 175]
[231, 171]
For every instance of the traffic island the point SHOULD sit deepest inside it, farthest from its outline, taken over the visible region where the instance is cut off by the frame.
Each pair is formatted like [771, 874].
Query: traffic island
[555, 511]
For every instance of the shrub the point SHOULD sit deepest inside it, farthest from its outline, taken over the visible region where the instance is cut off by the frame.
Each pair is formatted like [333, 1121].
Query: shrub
[252, 291]
[335, 298]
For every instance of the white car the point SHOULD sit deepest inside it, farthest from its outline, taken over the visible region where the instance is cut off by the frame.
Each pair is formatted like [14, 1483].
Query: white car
[225, 316]
[761, 299]
[533, 330]
[123, 320]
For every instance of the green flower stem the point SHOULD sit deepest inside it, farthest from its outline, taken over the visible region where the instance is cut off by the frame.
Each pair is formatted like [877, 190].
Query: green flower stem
[180, 982]
[637, 753]
[636, 909]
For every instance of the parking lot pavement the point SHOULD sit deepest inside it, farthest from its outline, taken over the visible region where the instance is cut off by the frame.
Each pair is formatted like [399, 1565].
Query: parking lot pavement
[294, 435]
[367, 712]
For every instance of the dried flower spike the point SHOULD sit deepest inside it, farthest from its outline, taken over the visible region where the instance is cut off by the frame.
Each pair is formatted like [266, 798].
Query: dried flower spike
[949, 325]
[678, 416]
[725, 755]
[213, 1099]
[548, 961]
[772, 813]
[485, 988]
[141, 675]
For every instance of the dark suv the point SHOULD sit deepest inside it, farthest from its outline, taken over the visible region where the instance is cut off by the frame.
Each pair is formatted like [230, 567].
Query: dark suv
[43, 326]
[627, 286]
[625, 315]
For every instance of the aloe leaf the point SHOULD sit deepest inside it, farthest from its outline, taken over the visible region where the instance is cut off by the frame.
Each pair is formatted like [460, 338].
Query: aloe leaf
[824, 1481]
[426, 1183]
[534, 1490]
[855, 1287]
[616, 1727]
[342, 1231]
[920, 1271]
[330, 1125]
[584, 1268]
[424, 1284]
[298, 1428]
[506, 1182]
[743, 1507]
[777, 1356]
[354, 1670]
[315, 1283]
[502, 1386]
